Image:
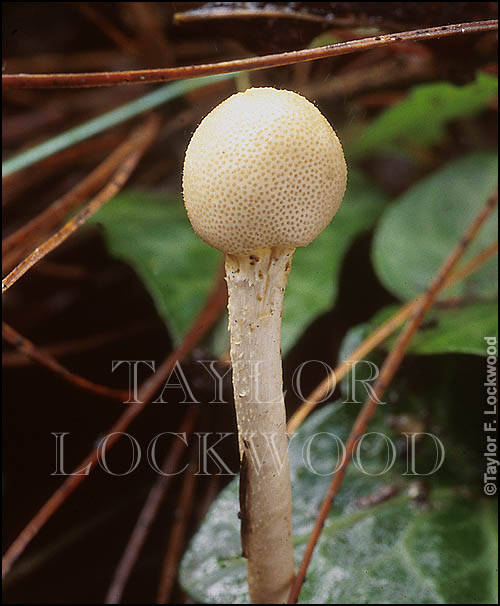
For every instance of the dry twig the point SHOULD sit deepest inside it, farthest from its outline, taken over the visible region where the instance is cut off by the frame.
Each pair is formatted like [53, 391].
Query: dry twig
[149, 512]
[55, 213]
[45, 359]
[20, 181]
[64, 348]
[176, 540]
[119, 178]
[86, 80]
[104, 24]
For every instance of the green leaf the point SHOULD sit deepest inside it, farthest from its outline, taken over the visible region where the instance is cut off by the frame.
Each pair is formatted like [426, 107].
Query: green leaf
[313, 282]
[152, 233]
[396, 554]
[418, 232]
[453, 330]
[392, 552]
[420, 119]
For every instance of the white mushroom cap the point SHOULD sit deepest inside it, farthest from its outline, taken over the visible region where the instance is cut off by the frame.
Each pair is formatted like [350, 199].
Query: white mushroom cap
[264, 168]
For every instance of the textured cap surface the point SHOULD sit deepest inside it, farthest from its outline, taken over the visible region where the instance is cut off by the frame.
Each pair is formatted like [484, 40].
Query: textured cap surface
[264, 168]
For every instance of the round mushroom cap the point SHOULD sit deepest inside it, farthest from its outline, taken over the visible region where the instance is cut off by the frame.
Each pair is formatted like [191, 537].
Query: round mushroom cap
[264, 168]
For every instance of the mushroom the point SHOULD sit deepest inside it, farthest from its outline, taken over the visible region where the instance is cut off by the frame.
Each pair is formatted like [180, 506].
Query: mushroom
[264, 173]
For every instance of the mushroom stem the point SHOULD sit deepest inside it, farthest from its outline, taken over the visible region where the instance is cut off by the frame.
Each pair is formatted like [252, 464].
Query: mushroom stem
[256, 284]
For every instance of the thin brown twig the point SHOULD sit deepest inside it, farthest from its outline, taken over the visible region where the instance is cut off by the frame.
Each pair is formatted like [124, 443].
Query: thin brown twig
[118, 180]
[16, 183]
[340, 15]
[118, 37]
[26, 347]
[216, 14]
[150, 510]
[474, 264]
[15, 246]
[32, 564]
[63, 348]
[387, 372]
[205, 320]
[176, 539]
[376, 338]
[58, 210]
[150, 30]
[14, 128]
[90, 79]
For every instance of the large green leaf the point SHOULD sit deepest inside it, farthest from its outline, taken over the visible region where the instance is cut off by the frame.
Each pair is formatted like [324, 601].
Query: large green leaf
[152, 233]
[396, 554]
[391, 552]
[421, 118]
[418, 232]
[452, 330]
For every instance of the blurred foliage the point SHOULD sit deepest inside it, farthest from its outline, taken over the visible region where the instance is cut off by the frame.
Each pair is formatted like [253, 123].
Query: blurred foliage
[421, 119]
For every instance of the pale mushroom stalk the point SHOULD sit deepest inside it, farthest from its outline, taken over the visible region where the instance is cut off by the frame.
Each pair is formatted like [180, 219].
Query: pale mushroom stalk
[256, 285]
[264, 173]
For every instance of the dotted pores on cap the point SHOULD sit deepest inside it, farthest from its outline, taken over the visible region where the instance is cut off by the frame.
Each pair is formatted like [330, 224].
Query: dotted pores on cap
[264, 168]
